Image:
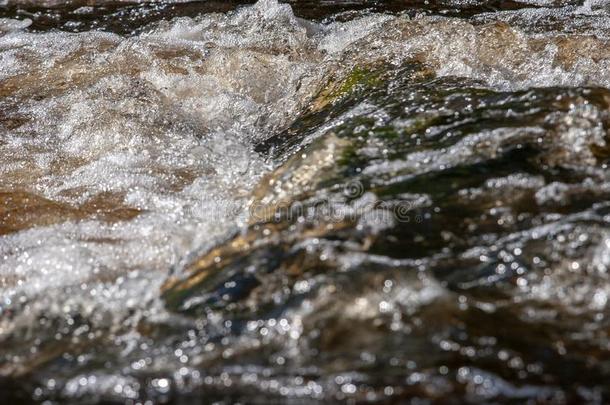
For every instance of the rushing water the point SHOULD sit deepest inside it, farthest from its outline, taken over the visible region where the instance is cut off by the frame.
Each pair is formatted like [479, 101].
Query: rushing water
[304, 202]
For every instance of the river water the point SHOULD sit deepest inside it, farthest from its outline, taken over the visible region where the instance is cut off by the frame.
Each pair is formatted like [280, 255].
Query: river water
[304, 202]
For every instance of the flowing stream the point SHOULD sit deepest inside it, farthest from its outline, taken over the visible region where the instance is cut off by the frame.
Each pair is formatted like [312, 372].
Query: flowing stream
[304, 202]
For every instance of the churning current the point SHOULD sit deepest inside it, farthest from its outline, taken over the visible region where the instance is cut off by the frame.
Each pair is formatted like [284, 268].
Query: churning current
[256, 204]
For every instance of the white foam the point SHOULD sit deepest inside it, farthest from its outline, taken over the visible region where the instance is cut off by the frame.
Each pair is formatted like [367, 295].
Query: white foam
[166, 121]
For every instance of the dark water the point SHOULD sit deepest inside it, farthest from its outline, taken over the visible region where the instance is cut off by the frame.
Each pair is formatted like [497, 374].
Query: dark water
[384, 202]
[130, 17]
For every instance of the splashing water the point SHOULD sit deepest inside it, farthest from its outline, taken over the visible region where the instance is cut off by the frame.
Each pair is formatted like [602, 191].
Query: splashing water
[266, 205]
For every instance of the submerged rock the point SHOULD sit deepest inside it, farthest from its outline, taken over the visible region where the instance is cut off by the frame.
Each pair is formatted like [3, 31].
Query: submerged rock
[374, 207]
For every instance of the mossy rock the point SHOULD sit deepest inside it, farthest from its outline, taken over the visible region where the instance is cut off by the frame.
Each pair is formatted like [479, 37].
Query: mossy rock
[359, 77]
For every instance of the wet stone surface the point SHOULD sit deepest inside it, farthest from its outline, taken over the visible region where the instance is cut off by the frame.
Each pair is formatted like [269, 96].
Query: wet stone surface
[364, 203]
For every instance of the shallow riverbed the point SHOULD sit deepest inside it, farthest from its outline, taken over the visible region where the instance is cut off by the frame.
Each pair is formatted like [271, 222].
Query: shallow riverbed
[304, 202]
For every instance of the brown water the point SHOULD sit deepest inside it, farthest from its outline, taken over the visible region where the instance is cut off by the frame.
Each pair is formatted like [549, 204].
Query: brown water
[306, 202]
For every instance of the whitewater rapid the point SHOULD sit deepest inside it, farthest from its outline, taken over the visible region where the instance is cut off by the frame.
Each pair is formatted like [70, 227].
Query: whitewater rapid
[122, 157]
